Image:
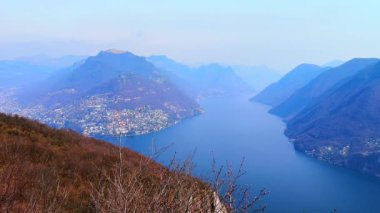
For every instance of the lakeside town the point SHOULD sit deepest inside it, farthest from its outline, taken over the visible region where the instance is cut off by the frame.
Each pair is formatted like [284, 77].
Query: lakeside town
[94, 115]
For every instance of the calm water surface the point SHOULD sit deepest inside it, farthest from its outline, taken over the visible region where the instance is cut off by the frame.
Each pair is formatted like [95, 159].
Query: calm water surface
[234, 128]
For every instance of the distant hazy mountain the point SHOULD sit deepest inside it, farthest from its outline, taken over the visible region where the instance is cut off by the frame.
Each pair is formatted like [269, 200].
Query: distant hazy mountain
[19, 73]
[214, 79]
[106, 66]
[55, 63]
[111, 93]
[203, 81]
[334, 63]
[279, 91]
[343, 126]
[258, 77]
[178, 73]
[26, 71]
[170, 66]
[313, 90]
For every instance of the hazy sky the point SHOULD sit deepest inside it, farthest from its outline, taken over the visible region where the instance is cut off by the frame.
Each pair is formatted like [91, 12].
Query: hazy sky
[278, 33]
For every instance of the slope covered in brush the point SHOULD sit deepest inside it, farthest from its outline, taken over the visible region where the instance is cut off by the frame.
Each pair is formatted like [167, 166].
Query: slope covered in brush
[45, 170]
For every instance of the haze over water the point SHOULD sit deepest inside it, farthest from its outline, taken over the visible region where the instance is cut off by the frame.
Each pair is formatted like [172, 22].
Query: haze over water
[234, 128]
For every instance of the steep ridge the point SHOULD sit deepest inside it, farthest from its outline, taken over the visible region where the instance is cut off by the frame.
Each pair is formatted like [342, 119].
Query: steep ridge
[317, 87]
[343, 126]
[279, 91]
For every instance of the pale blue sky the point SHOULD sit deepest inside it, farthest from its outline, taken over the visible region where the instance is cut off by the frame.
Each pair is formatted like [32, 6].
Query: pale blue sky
[277, 33]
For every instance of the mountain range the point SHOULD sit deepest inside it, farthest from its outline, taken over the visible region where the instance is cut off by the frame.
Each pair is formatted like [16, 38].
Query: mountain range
[335, 116]
[343, 127]
[310, 93]
[202, 81]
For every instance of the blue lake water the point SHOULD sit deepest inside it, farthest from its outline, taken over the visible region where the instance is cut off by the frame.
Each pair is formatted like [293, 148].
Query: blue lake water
[234, 128]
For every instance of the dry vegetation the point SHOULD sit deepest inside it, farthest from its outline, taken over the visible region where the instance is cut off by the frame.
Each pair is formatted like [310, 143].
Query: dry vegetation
[48, 170]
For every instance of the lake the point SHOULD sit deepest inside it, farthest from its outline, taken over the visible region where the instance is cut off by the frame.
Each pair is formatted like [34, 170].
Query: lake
[234, 128]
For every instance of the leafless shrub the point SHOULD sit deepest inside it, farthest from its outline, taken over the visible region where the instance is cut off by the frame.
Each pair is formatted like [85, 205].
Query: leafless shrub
[9, 190]
[236, 197]
[25, 187]
[133, 191]
[48, 196]
[173, 190]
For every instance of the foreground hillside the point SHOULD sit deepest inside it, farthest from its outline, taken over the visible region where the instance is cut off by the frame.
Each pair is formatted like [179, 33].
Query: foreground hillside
[47, 170]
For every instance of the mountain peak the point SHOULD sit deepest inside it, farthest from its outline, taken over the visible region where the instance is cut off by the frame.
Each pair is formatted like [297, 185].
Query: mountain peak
[116, 51]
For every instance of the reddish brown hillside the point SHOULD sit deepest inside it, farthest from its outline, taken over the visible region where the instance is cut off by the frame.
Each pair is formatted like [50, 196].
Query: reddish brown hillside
[43, 169]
